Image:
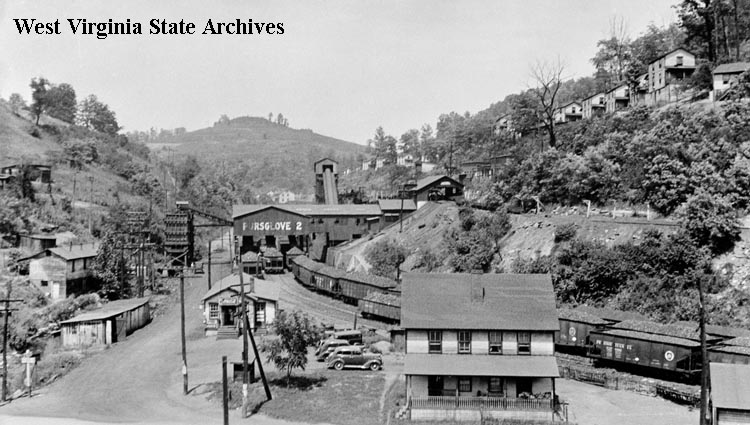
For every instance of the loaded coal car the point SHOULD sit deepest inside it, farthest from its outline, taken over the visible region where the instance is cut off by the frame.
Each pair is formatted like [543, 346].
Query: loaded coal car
[293, 253]
[575, 326]
[735, 351]
[304, 270]
[273, 261]
[356, 286]
[381, 306]
[251, 264]
[667, 351]
[327, 280]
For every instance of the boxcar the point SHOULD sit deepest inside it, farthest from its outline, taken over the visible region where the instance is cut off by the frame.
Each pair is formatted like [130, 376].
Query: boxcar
[356, 286]
[657, 352]
[575, 327]
[327, 279]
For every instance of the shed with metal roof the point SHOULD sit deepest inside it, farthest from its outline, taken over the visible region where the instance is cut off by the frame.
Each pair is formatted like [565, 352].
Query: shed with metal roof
[109, 324]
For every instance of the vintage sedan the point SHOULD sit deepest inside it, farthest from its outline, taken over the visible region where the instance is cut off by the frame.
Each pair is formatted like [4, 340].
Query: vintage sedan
[354, 356]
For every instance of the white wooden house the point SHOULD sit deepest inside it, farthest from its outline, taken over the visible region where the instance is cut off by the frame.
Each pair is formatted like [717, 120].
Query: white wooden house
[221, 304]
[64, 271]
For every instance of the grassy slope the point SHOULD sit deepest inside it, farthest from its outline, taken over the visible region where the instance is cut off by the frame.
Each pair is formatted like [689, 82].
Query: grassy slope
[17, 145]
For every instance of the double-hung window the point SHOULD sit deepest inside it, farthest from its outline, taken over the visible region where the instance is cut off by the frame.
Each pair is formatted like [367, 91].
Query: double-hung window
[435, 342]
[524, 343]
[496, 342]
[464, 385]
[464, 342]
[213, 310]
[495, 386]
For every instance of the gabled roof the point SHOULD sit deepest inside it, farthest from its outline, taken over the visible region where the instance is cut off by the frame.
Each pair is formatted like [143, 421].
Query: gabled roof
[430, 180]
[478, 301]
[619, 86]
[574, 102]
[69, 253]
[260, 288]
[310, 210]
[594, 95]
[732, 68]
[323, 160]
[110, 309]
[395, 205]
[242, 210]
[673, 51]
[477, 365]
[730, 386]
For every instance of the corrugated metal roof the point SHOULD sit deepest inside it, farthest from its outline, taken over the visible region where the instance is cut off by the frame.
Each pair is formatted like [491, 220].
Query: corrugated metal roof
[478, 301]
[429, 180]
[111, 309]
[311, 210]
[732, 68]
[481, 365]
[395, 205]
[260, 288]
[73, 252]
[730, 386]
[650, 337]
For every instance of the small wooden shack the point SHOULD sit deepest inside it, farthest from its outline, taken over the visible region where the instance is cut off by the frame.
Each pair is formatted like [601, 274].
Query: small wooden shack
[64, 270]
[107, 325]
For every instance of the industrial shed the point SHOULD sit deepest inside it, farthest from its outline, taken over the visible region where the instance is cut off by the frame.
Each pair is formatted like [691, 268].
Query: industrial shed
[107, 325]
[730, 394]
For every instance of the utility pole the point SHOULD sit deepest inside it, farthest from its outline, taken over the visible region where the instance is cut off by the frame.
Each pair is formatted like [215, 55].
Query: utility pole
[182, 321]
[6, 313]
[704, 354]
[243, 312]
[209, 264]
[224, 397]
[257, 360]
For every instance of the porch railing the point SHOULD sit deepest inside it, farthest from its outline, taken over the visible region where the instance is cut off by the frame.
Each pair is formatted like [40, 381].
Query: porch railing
[481, 403]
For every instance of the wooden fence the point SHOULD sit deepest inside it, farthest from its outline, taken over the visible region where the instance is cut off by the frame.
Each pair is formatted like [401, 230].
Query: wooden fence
[628, 383]
[481, 403]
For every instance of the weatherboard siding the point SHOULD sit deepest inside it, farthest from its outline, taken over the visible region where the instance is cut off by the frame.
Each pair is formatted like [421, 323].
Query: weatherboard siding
[542, 343]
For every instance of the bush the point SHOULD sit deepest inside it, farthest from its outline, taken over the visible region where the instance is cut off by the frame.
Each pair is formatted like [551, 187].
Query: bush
[565, 232]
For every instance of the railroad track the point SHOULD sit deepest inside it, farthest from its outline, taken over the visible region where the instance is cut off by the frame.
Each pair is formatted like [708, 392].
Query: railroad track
[294, 296]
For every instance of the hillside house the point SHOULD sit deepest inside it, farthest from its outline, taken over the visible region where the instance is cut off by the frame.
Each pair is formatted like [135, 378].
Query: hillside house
[64, 271]
[593, 106]
[571, 111]
[730, 394]
[666, 73]
[36, 242]
[107, 325]
[221, 304]
[479, 345]
[40, 173]
[617, 98]
[725, 75]
[639, 90]
[438, 188]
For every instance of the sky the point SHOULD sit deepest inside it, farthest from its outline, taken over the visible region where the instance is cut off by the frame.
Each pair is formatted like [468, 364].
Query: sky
[341, 68]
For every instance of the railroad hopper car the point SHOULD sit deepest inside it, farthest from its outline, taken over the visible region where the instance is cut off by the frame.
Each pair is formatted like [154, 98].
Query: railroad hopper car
[575, 327]
[273, 261]
[357, 286]
[735, 350]
[385, 307]
[304, 270]
[293, 253]
[326, 280]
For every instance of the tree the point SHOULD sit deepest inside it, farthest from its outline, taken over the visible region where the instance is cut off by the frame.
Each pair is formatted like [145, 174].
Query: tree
[38, 97]
[614, 54]
[23, 183]
[383, 146]
[80, 152]
[385, 257]
[95, 115]
[296, 332]
[110, 266]
[410, 143]
[697, 19]
[61, 102]
[710, 221]
[17, 104]
[548, 79]
[186, 171]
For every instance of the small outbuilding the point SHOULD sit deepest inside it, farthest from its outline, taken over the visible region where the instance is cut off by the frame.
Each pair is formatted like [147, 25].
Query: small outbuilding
[438, 188]
[107, 325]
[730, 394]
[221, 304]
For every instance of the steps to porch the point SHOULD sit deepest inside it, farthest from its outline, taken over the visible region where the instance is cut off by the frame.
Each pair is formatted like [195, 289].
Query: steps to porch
[227, 332]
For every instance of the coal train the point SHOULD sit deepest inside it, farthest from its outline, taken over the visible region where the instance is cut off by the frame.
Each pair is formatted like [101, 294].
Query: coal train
[610, 337]
[377, 297]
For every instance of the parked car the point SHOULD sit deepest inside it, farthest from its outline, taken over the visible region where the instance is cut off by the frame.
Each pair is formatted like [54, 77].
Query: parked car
[327, 346]
[354, 356]
[354, 337]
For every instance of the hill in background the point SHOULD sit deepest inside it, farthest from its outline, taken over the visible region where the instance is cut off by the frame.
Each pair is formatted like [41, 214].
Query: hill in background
[259, 152]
